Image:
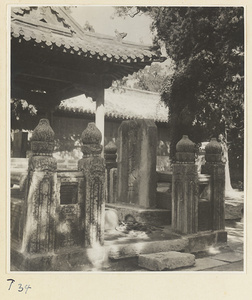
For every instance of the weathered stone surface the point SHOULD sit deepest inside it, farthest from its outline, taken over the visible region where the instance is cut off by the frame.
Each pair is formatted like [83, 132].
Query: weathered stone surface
[185, 149]
[233, 209]
[40, 200]
[70, 227]
[213, 151]
[217, 187]
[110, 148]
[91, 140]
[17, 206]
[43, 132]
[166, 260]
[137, 163]
[185, 198]
[229, 257]
[42, 140]
[133, 250]
[149, 216]
[201, 241]
[110, 162]
[93, 167]
[221, 236]
[112, 185]
[205, 263]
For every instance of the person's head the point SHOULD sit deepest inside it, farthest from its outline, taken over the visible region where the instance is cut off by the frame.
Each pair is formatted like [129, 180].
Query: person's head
[221, 138]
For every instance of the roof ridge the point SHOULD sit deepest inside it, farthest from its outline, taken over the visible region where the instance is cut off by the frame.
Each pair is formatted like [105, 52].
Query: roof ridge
[41, 15]
[72, 24]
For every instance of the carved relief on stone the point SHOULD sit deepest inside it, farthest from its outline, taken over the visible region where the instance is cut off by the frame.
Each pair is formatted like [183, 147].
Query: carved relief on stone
[93, 167]
[44, 163]
[39, 223]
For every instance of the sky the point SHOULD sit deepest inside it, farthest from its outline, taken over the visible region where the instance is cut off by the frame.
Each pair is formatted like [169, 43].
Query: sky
[137, 28]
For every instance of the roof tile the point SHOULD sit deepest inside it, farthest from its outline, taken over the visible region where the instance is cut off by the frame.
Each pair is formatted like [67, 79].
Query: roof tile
[129, 105]
[84, 43]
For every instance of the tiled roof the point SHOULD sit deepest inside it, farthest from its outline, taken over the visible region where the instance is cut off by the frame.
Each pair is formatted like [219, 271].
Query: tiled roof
[51, 27]
[130, 104]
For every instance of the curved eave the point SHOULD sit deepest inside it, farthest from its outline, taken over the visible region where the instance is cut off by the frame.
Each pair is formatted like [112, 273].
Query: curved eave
[74, 111]
[88, 47]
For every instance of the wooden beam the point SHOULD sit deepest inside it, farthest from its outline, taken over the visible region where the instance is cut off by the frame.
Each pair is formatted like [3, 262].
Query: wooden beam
[51, 73]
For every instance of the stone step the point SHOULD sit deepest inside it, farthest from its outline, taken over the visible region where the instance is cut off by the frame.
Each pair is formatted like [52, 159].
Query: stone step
[190, 244]
[166, 260]
[151, 216]
[135, 249]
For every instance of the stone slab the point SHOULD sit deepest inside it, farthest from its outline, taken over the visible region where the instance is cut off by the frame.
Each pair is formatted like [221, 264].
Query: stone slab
[205, 263]
[233, 267]
[166, 260]
[229, 257]
[149, 216]
[71, 259]
[201, 241]
[136, 249]
[233, 209]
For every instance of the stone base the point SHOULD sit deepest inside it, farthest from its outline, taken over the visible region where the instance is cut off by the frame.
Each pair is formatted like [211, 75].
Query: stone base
[166, 260]
[67, 260]
[233, 209]
[189, 243]
[203, 240]
[136, 249]
[155, 217]
[80, 259]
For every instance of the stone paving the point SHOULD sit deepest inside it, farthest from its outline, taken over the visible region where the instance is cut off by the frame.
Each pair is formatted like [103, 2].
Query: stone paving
[226, 257]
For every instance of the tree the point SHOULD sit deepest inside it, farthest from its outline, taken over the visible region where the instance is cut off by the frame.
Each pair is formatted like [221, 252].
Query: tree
[150, 78]
[205, 95]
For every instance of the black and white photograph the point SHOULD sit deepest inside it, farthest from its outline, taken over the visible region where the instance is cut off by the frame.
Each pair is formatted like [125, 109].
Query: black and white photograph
[126, 133]
[124, 161]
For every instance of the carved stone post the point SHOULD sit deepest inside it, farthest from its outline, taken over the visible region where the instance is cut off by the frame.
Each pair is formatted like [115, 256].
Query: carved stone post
[110, 162]
[216, 168]
[185, 189]
[93, 168]
[40, 201]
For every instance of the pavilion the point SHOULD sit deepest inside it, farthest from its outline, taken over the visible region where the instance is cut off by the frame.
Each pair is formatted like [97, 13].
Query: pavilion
[53, 58]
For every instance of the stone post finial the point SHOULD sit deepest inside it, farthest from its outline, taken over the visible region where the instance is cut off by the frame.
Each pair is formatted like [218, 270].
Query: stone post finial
[213, 151]
[110, 152]
[91, 140]
[185, 150]
[42, 140]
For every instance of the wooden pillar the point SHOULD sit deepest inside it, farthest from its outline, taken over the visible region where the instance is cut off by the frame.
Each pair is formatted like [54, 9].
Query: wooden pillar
[100, 109]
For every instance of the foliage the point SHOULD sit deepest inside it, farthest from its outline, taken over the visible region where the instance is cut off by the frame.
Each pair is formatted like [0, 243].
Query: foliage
[18, 106]
[205, 95]
[150, 78]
